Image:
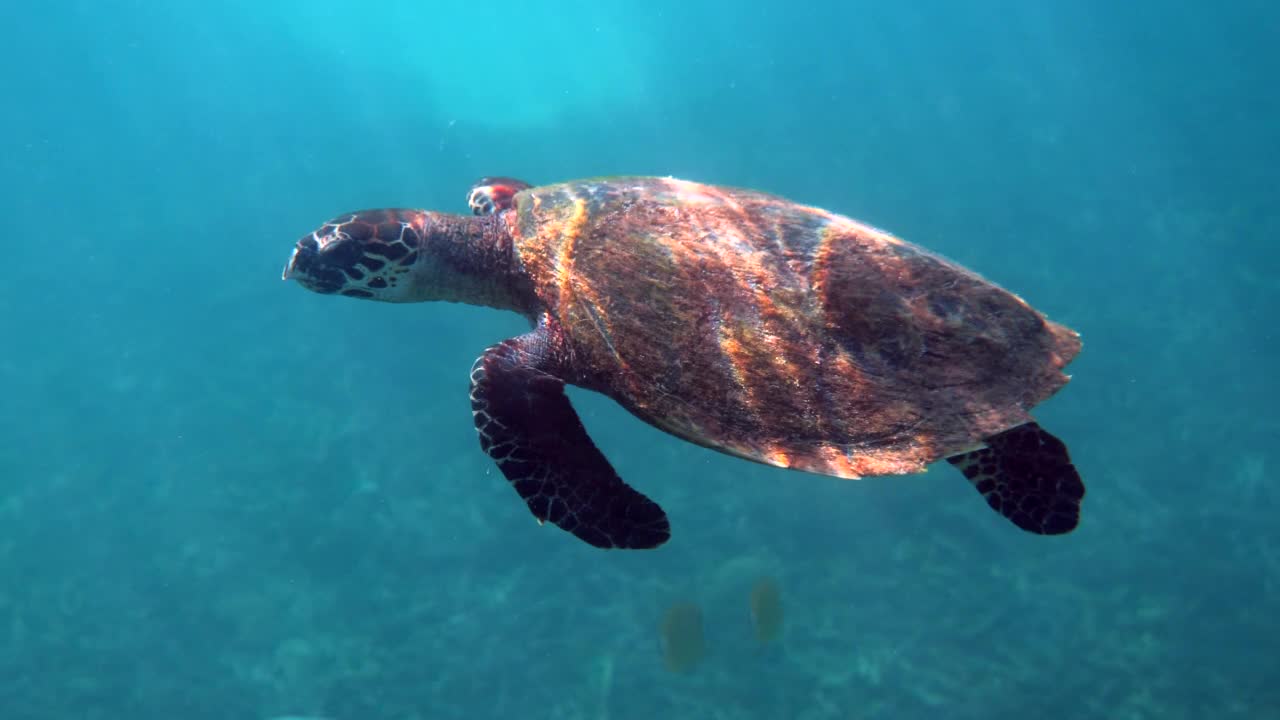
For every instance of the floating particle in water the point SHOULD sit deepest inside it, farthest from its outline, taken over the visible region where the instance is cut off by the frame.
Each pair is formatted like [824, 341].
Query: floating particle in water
[683, 644]
[766, 609]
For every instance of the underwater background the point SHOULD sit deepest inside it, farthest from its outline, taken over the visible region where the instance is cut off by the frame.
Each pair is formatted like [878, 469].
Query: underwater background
[224, 497]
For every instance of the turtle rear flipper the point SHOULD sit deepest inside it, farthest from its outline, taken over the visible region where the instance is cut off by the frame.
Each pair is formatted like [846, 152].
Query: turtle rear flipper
[491, 195]
[528, 427]
[1026, 475]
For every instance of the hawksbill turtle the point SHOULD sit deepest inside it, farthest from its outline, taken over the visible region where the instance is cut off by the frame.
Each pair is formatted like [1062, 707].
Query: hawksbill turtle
[737, 320]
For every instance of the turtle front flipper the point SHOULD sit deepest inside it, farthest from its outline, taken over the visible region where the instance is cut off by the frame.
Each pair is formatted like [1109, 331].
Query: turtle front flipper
[1026, 475]
[528, 427]
[491, 195]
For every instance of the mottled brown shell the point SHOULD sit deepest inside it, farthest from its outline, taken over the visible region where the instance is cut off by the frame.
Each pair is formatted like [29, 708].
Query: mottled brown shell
[778, 332]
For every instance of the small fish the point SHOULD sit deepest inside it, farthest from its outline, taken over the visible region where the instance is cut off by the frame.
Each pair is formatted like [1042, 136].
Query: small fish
[766, 609]
[683, 644]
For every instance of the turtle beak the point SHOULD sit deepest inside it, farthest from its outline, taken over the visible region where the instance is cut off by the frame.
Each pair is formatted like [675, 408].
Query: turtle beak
[305, 246]
[288, 268]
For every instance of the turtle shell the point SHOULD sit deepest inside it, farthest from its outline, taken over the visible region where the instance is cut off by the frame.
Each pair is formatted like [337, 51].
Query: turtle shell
[779, 332]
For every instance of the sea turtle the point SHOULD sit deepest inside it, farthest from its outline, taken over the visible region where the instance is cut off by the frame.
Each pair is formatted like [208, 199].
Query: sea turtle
[733, 319]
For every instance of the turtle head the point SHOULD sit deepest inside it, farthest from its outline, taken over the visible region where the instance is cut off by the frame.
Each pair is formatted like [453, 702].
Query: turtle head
[369, 254]
[408, 256]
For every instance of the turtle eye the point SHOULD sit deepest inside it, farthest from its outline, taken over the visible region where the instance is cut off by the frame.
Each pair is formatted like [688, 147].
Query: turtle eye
[341, 251]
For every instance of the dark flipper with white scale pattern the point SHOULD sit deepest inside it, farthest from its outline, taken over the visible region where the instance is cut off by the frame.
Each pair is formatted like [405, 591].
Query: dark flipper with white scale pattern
[528, 427]
[1026, 475]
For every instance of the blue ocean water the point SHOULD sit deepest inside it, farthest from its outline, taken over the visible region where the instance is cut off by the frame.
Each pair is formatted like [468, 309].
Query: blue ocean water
[224, 497]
